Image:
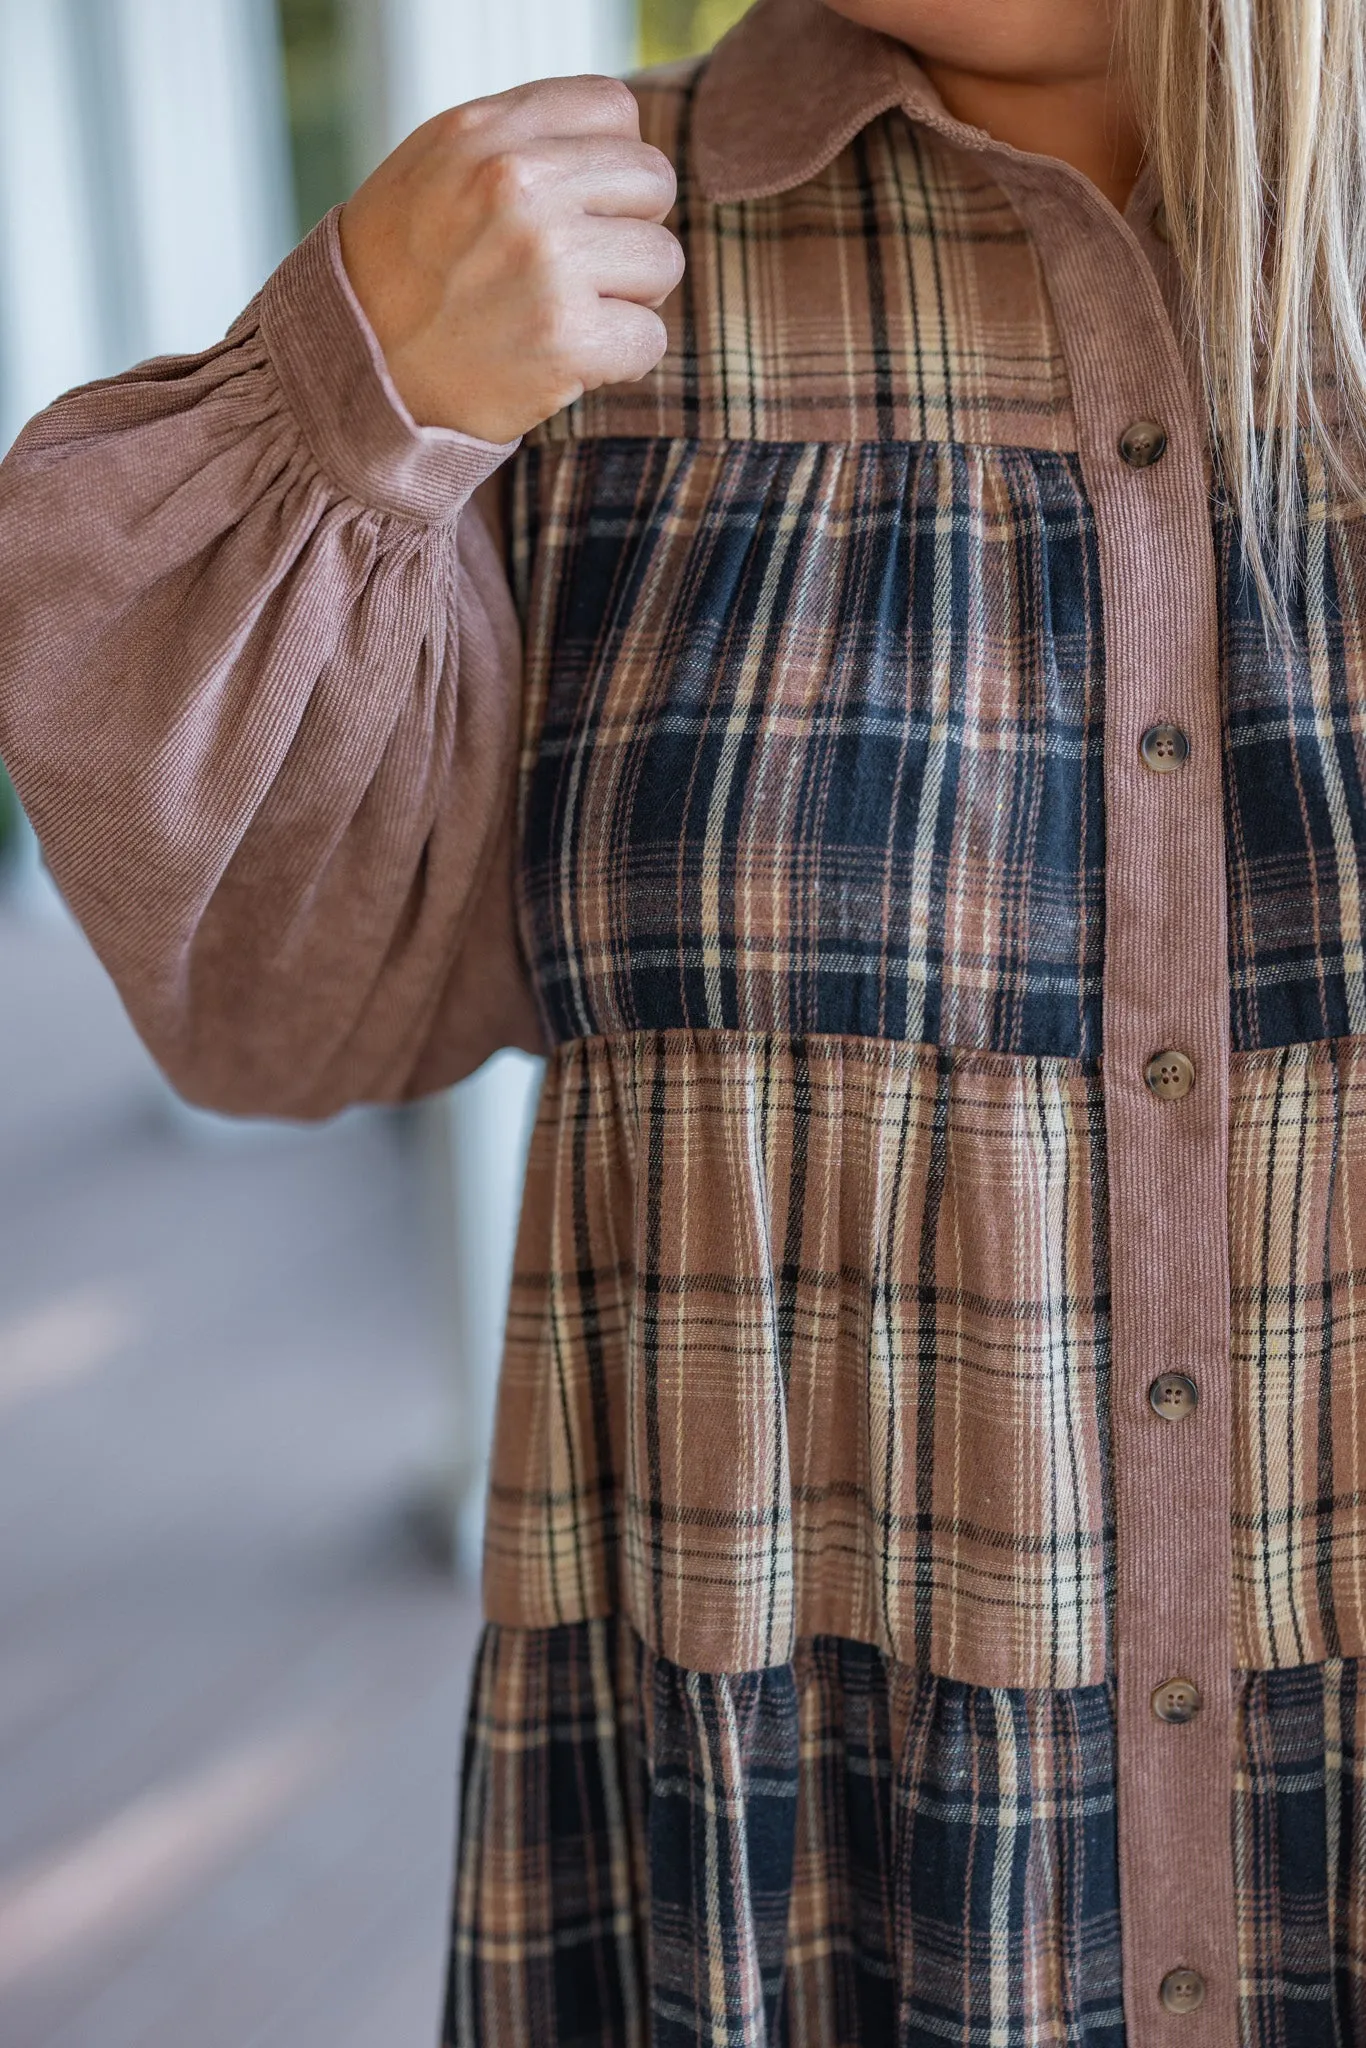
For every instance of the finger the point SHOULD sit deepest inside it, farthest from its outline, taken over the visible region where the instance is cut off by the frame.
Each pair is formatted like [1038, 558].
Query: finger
[623, 343]
[605, 175]
[629, 259]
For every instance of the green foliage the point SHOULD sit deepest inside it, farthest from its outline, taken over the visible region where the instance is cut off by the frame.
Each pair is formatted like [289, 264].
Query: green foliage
[9, 817]
[318, 89]
[679, 28]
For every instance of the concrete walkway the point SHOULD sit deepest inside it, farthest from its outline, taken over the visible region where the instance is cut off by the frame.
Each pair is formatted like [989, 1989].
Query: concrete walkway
[231, 1682]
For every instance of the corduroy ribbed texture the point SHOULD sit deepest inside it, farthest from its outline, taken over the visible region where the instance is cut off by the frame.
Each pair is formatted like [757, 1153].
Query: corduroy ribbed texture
[260, 689]
[338, 386]
[1166, 985]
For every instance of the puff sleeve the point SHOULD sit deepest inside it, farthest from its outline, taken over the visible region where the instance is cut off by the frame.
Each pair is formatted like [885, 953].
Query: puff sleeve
[260, 694]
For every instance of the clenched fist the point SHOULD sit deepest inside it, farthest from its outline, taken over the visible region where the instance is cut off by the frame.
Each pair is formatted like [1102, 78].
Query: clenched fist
[510, 253]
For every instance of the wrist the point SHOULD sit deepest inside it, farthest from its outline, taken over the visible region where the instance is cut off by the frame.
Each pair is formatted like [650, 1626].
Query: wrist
[336, 382]
[430, 385]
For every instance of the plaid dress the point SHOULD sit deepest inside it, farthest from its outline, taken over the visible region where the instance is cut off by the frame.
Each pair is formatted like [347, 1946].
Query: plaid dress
[827, 1502]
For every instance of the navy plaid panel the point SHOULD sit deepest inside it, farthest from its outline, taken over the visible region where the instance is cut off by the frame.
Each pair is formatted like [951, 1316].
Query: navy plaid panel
[878, 811]
[545, 1942]
[1301, 1858]
[1007, 1824]
[954, 1837]
[836, 1853]
[1295, 780]
[722, 1828]
[842, 1971]
[813, 742]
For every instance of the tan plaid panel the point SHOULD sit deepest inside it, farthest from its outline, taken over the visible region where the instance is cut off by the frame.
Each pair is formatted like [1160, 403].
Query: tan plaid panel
[1298, 1232]
[804, 1338]
[895, 296]
[808, 1336]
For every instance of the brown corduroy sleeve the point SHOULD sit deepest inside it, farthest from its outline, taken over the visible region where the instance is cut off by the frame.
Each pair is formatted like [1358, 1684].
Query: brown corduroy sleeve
[259, 692]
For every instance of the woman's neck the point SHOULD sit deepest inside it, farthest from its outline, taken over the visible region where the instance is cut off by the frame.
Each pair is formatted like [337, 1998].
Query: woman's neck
[1045, 75]
[1081, 120]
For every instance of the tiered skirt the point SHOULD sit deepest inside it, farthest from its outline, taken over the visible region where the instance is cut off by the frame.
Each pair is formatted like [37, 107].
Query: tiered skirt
[841, 1853]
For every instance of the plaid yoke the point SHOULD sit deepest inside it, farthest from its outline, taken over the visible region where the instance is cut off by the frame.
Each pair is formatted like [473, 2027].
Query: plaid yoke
[794, 1719]
[894, 297]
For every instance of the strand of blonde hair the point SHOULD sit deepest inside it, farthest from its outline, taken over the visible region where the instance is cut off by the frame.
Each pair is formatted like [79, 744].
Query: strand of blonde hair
[1256, 112]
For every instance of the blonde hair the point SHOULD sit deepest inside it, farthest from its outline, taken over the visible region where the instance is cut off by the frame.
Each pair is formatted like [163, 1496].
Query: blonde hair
[1256, 114]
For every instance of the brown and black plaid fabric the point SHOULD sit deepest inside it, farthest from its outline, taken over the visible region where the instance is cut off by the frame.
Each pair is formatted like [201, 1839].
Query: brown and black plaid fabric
[1295, 783]
[1298, 1227]
[814, 743]
[794, 1723]
[847, 1853]
[809, 1336]
[895, 297]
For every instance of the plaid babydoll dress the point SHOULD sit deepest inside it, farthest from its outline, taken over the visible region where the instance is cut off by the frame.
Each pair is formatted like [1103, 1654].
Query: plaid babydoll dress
[925, 1564]
[926, 1553]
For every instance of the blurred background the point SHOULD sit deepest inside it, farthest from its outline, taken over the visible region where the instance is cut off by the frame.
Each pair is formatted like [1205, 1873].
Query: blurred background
[246, 1371]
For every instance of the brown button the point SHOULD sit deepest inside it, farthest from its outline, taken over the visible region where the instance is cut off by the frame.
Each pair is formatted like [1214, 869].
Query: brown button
[1173, 1396]
[1183, 1990]
[1170, 1075]
[1143, 444]
[1176, 1699]
[1164, 748]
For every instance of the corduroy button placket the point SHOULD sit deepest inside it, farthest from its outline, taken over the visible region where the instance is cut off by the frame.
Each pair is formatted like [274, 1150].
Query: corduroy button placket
[1166, 1075]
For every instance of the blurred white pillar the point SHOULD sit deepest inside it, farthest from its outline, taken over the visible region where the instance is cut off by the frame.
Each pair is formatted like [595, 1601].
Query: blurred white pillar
[144, 189]
[202, 135]
[415, 57]
[51, 319]
[478, 1136]
[144, 183]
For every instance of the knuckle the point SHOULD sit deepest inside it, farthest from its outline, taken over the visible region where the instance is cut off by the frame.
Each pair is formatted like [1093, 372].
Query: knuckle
[672, 260]
[457, 125]
[662, 265]
[617, 102]
[558, 276]
[507, 179]
[643, 342]
[659, 166]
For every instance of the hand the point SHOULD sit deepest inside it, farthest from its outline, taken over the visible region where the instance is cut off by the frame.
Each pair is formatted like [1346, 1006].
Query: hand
[510, 253]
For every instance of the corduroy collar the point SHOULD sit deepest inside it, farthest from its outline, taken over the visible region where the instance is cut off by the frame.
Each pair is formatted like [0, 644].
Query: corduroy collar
[789, 87]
